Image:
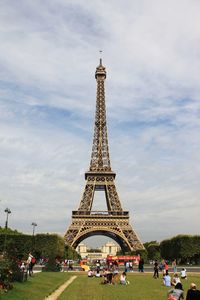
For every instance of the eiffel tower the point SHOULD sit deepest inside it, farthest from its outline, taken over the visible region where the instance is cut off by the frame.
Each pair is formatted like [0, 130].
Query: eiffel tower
[114, 222]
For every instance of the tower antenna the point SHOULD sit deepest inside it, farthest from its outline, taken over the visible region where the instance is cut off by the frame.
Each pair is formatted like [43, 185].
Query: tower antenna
[100, 51]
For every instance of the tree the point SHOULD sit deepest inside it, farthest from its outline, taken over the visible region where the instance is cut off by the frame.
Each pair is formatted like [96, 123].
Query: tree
[185, 248]
[70, 253]
[154, 251]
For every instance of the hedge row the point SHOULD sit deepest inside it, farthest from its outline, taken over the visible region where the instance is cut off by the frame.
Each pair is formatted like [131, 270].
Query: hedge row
[43, 245]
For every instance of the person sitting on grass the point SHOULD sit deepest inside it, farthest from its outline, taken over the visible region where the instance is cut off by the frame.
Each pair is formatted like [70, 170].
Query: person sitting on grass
[193, 293]
[97, 273]
[109, 276]
[176, 293]
[116, 278]
[167, 279]
[183, 274]
[123, 280]
[175, 279]
[106, 277]
[90, 273]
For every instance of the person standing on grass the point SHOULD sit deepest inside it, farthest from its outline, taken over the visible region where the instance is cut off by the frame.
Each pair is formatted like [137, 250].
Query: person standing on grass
[166, 267]
[127, 266]
[155, 275]
[141, 265]
[176, 293]
[131, 266]
[30, 263]
[174, 266]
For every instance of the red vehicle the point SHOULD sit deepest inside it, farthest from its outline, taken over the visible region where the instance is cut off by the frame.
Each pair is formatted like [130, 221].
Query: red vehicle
[121, 260]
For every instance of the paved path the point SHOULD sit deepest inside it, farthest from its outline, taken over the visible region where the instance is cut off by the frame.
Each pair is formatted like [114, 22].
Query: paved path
[59, 291]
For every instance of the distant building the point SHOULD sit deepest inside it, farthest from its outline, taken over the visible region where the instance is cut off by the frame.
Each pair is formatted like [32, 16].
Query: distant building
[82, 250]
[109, 248]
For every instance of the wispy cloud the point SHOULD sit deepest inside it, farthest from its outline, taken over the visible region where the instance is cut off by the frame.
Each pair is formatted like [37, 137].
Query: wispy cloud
[49, 51]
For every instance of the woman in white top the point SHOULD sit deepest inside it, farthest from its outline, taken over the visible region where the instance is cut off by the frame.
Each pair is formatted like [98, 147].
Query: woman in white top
[123, 278]
[183, 273]
[175, 279]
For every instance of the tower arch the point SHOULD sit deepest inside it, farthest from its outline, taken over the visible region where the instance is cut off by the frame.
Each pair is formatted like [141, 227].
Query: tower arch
[116, 236]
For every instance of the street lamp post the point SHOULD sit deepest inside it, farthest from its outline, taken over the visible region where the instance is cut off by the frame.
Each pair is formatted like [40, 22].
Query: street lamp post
[7, 211]
[33, 240]
[34, 225]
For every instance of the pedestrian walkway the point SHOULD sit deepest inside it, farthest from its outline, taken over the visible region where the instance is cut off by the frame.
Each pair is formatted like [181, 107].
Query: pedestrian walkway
[61, 289]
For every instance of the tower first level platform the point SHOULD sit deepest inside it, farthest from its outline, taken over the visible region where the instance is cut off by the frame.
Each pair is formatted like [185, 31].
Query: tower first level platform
[114, 224]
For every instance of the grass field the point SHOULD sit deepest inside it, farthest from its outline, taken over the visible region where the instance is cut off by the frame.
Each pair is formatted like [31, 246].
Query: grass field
[141, 287]
[37, 287]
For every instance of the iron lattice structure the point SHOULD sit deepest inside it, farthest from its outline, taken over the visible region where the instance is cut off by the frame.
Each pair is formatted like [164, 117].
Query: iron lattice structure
[114, 222]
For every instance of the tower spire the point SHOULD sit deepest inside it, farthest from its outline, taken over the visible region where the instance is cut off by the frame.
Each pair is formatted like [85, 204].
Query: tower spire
[100, 160]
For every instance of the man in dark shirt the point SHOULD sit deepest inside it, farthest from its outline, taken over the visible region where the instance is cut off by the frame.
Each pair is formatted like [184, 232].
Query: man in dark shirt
[156, 275]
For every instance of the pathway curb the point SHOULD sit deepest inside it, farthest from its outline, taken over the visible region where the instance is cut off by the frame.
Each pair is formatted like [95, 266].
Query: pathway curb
[61, 289]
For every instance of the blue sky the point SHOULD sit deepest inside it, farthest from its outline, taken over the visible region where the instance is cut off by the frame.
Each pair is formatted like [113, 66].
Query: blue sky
[49, 52]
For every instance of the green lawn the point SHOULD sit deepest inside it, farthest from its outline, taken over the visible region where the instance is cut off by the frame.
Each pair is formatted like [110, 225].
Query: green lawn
[141, 287]
[37, 287]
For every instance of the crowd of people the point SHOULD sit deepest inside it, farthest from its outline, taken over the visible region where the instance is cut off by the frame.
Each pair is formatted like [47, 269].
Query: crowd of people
[110, 275]
[176, 292]
[114, 277]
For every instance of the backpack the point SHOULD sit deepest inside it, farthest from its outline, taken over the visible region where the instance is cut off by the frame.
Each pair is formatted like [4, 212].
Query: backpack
[33, 260]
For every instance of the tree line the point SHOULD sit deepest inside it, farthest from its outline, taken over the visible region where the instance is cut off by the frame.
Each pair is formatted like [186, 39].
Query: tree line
[183, 248]
[41, 245]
